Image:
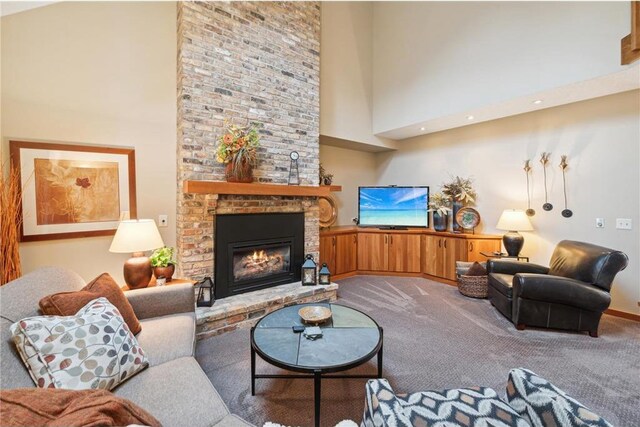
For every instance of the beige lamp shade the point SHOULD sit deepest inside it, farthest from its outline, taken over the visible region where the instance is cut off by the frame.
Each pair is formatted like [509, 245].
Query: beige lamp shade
[514, 220]
[136, 235]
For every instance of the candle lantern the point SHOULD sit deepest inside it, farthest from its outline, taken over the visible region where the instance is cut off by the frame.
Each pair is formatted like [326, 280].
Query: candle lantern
[206, 291]
[309, 272]
[324, 275]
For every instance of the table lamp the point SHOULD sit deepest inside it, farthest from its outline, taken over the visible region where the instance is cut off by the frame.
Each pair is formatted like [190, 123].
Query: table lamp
[513, 220]
[136, 236]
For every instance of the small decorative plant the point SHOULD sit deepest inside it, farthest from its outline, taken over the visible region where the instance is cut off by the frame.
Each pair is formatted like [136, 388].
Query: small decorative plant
[460, 190]
[162, 257]
[439, 204]
[237, 148]
[325, 178]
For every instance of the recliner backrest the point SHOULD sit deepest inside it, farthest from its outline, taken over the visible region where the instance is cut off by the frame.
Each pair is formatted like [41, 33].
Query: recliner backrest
[589, 263]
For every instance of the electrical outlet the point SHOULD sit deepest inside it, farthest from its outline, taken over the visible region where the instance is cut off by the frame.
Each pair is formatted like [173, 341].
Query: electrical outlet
[599, 222]
[623, 223]
[163, 220]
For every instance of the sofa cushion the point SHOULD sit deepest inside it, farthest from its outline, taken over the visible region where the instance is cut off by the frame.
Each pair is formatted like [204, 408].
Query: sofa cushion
[168, 337]
[68, 303]
[543, 404]
[92, 349]
[232, 421]
[502, 283]
[19, 298]
[177, 393]
[13, 372]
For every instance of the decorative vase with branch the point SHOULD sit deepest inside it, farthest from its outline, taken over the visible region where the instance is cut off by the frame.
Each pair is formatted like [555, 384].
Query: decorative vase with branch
[440, 205]
[238, 150]
[10, 220]
[461, 192]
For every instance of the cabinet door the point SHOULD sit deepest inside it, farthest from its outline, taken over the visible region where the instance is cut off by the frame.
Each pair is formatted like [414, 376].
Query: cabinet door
[454, 250]
[432, 255]
[328, 252]
[372, 252]
[404, 253]
[346, 253]
[475, 246]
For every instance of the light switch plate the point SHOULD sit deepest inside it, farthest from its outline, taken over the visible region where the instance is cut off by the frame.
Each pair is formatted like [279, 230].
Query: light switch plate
[623, 223]
[163, 220]
[599, 222]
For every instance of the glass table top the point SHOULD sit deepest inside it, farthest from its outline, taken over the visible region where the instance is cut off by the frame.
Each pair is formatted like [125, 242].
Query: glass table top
[350, 336]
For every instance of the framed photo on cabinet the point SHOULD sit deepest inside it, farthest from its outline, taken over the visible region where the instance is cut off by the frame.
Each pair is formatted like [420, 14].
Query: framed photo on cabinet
[71, 191]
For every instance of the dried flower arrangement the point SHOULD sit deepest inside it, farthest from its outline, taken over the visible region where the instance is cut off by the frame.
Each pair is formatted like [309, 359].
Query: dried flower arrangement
[460, 189]
[238, 146]
[10, 220]
[439, 204]
[325, 178]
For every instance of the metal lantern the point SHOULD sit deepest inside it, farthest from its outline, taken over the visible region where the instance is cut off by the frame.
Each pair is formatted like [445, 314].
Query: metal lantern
[205, 293]
[324, 276]
[309, 272]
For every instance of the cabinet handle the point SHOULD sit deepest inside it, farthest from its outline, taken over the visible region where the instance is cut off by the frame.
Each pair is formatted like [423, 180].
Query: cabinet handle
[439, 243]
[334, 241]
[445, 243]
[470, 246]
[355, 239]
[391, 240]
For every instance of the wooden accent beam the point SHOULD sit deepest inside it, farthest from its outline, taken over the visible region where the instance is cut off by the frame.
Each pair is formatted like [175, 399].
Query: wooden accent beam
[256, 189]
[630, 45]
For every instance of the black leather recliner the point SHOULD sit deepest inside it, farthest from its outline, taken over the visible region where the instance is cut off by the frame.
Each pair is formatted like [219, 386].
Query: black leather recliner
[570, 294]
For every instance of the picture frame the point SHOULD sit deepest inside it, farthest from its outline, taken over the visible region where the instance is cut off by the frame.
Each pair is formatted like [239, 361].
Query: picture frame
[72, 190]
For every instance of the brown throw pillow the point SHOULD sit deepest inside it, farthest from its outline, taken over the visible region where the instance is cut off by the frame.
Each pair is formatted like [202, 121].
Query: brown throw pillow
[68, 303]
[476, 270]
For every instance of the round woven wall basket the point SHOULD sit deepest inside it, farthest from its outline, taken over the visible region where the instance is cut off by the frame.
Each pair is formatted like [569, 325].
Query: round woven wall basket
[474, 286]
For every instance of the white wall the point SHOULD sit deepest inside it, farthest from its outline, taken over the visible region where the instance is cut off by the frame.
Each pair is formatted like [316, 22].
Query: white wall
[601, 138]
[98, 73]
[350, 169]
[434, 59]
[346, 69]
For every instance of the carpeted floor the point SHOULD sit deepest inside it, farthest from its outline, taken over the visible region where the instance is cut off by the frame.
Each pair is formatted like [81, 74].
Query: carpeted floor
[436, 338]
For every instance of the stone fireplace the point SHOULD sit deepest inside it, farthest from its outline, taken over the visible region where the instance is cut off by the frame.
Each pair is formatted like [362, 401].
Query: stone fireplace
[257, 251]
[246, 62]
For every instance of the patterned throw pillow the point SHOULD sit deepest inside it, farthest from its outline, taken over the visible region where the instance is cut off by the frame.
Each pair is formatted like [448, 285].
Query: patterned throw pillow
[544, 404]
[94, 349]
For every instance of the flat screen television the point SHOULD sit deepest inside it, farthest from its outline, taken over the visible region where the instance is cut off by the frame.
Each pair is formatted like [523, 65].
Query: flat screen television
[393, 206]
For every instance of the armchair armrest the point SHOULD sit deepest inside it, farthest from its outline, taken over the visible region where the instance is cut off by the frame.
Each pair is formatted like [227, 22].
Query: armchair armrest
[382, 408]
[560, 290]
[508, 266]
[162, 300]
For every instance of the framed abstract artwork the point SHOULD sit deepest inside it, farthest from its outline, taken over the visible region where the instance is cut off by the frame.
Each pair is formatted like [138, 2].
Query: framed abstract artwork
[71, 191]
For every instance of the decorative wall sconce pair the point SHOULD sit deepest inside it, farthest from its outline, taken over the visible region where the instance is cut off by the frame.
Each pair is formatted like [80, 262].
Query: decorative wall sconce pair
[544, 160]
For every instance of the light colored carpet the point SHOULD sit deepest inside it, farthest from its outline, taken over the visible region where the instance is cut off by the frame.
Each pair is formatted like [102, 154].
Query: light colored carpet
[436, 338]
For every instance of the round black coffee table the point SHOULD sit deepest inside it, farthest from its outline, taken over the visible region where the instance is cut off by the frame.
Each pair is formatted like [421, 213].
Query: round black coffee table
[350, 338]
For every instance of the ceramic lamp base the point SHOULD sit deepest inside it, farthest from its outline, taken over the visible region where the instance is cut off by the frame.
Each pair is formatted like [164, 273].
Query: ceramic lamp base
[137, 271]
[513, 242]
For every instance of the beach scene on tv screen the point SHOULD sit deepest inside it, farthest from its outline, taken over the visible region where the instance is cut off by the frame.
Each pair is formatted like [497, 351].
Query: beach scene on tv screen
[406, 206]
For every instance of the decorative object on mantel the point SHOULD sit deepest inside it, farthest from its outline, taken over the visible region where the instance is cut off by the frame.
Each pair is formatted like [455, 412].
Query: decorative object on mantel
[325, 178]
[328, 211]
[544, 159]
[237, 149]
[206, 292]
[324, 276]
[136, 236]
[71, 191]
[163, 263]
[294, 175]
[461, 192]
[513, 220]
[309, 272]
[10, 220]
[468, 218]
[314, 314]
[439, 204]
[567, 213]
[527, 170]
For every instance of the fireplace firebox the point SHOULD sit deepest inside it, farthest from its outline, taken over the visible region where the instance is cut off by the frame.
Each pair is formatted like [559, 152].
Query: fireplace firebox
[257, 251]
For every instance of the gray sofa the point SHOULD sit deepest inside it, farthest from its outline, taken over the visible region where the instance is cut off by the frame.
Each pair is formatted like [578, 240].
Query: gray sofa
[173, 388]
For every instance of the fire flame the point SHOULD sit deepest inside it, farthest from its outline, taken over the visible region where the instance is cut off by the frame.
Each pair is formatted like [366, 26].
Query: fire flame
[259, 256]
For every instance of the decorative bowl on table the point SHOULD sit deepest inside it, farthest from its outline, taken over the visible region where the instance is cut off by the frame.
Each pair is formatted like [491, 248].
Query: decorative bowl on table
[314, 315]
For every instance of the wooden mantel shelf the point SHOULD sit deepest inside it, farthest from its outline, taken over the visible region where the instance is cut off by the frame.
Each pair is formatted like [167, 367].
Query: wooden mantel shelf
[257, 189]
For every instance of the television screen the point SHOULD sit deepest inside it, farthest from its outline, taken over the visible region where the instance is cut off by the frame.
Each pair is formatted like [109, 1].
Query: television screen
[393, 206]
